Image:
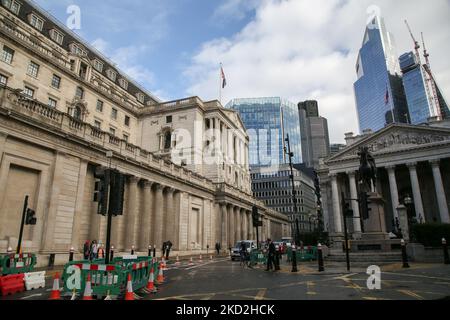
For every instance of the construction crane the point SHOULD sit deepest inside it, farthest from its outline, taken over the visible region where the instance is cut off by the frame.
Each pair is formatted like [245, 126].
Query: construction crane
[430, 80]
[416, 43]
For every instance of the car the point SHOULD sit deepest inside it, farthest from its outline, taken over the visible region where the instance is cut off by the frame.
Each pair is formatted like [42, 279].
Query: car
[235, 251]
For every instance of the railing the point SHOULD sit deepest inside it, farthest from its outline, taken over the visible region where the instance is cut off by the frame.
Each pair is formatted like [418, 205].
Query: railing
[40, 109]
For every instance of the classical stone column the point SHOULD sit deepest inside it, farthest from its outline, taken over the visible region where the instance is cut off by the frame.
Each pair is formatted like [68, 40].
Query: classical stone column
[416, 191]
[231, 226]
[440, 192]
[169, 223]
[131, 213]
[224, 226]
[244, 225]
[3, 137]
[238, 227]
[394, 190]
[336, 205]
[177, 216]
[158, 210]
[355, 206]
[248, 217]
[146, 218]
[79, 205]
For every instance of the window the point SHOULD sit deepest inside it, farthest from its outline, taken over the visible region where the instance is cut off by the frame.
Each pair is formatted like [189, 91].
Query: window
[3, 80]
[112, 75]
[125, 137]
[56, 81]
[28, 92]
[112, 131]
[79, 93]
[56, 36]
[7, 54]
[167, 140]
[123, 83]
[33, 69]
[99, 107]
[98, 65]
[36, 22]
[127, 121]
[140, 97]
[98, 124]
[77, 49]
[12, 5]
[83, 71]
[52, 103]
[114, 114]
[169, 119]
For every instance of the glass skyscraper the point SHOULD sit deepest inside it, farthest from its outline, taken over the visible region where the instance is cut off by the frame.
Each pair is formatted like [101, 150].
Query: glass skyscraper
[418, 96]
[268, 121]
[379, 94]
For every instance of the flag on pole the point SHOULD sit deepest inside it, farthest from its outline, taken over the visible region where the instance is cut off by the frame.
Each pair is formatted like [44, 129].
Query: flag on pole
[224, 79]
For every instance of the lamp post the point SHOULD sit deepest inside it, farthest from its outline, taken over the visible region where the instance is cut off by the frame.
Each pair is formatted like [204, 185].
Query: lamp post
[109, 156]
[408, 201]
[290, 154]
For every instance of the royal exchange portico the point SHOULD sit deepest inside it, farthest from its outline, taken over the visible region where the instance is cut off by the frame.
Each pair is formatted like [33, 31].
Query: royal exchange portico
[412, 161]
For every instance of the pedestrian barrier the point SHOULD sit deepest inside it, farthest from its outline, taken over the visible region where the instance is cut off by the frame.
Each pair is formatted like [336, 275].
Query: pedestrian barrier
[12, 284]
[34, 280]
[257, 257]
[17, 263]
[304, 254]
[140, 272]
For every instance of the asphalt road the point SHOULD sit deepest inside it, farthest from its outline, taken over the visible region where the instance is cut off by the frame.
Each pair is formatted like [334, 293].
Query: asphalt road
[225, 280]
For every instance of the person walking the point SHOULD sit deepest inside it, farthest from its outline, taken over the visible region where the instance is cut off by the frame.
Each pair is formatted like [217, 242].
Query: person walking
[271, 255]
[94, 250]
[86, 250]
[164, 247]
[168, 248]
[101, 252]
[218, 248]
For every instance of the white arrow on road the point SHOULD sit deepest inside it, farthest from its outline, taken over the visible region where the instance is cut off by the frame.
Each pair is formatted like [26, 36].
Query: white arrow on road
[32, 296]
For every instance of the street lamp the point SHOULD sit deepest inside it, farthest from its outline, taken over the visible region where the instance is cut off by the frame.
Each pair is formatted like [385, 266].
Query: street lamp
[408, 201]
[290, 154]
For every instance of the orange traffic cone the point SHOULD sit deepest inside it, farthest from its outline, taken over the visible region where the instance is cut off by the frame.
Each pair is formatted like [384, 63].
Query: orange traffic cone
[164, 266]
[160, 278]
[129, 295]
[151, 282]
[56, 293]
[200, 260]
[191, 263]
[178, 261]
[87, 289]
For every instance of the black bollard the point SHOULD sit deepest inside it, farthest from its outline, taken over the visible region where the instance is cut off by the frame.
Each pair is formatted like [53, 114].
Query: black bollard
[445, 248]
[320, 257]
[132, 250]
[112, 253]
[277, 261]
[154, 251]
[71, 254]
[149, 251]
[294, 259]
[404, 255]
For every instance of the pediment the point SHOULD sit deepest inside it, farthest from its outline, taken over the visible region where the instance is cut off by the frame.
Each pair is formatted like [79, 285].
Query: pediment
[396, 138]
[234, 118]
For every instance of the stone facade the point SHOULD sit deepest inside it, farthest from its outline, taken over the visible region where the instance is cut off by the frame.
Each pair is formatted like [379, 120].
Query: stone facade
[413, 161]
[50, 153]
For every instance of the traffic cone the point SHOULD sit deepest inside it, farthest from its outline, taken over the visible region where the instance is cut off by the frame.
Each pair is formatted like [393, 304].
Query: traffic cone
[151, 282]
[129, 295]
[200, 260]
[178, 261]
[164, 266]
[211, 258]
[56, 293]
[87, 289]
[160, 278]
[191, 263]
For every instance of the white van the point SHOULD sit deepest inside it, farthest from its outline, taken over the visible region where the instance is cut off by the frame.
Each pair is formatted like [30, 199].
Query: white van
[235, 251]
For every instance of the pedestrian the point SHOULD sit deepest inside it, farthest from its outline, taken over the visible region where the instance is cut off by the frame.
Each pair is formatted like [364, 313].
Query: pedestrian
[86, 250]
[101, 252]
[218, 248]
[93, 250]
[164, 246]
[271, 255]
[168, 247]
[277, 257]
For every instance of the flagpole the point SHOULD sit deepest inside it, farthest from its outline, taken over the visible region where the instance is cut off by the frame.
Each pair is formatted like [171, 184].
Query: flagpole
[220, 83]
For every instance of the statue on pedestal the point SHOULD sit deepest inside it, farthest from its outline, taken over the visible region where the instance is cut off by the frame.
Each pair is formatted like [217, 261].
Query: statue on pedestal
[367, 174]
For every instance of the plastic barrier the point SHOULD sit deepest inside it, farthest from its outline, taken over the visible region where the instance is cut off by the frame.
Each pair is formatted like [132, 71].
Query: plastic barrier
[304, 254]
[257, 257]
[12, 284]
[17, 263]
[34, 280]
[140, 272]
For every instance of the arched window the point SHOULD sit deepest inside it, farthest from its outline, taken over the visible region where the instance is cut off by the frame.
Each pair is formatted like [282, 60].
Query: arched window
[167, 140]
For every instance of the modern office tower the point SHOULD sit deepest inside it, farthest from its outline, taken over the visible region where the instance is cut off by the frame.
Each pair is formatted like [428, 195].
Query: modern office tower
[336, 148]
[418, 95]
[379, 93]
[274, 188]
[314, 133]
[268, 122]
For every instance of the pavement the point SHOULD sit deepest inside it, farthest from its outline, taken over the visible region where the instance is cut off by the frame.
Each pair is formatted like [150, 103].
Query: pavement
[222, 279]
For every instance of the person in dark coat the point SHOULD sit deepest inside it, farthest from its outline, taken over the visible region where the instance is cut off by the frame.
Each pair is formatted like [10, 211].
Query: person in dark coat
[86, 250]
[164, 247]
[218, 248]
[168, 248]
[271, 255]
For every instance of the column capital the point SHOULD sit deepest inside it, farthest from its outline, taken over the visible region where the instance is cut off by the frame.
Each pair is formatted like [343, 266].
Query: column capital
[435, 162]
[351, 173]
[133, 179]
[412, 165]
[169, 189]
[158, 187]
[333, 175]
[390, 167]
[148, 184]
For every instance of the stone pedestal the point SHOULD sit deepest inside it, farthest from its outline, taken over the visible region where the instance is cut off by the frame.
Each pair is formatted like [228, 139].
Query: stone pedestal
[375, 226]
[403, 219]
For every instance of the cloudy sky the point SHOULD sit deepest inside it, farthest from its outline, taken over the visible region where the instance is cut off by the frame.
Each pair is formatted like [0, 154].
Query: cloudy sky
[297, 49]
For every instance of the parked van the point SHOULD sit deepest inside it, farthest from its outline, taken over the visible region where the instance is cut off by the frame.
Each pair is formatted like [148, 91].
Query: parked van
[235, 252]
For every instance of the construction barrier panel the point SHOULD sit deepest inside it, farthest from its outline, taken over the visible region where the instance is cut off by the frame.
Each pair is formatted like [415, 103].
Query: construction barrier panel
[304, 254]
[257, 257]
[12, 284]
[34, 280]
[140, 273]
[17, 263]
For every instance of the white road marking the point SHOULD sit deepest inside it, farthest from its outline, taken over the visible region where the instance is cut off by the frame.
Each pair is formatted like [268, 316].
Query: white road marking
[32, 296]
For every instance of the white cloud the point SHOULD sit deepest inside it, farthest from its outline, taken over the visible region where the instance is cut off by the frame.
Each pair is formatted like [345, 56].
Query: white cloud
[301, 49]
[234, 9]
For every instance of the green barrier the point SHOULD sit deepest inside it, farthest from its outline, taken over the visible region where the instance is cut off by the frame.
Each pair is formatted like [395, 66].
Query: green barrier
[303, 255]
[140, 272]
[17, 263]
[257, 257]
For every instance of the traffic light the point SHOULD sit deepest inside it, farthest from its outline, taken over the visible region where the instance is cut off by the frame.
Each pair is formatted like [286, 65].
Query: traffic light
[101, 191]
[117, 193]
[31, 217]
[348, 212]
[364, 205]
[255, 216]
